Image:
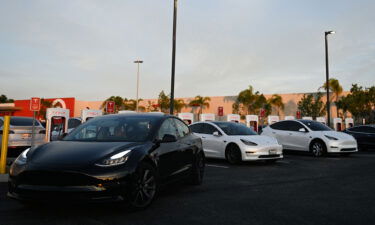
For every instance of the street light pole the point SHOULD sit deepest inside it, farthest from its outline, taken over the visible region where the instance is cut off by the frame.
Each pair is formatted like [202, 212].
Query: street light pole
[327, 77]
[138, 62]
[171, 104]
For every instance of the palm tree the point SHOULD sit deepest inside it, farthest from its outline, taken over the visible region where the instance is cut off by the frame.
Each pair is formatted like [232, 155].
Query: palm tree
[178, 105]
[277, 102]
[119, 103]
[336, 88]
[202, 102]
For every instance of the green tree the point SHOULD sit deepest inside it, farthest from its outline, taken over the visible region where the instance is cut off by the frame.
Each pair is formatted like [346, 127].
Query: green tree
[131, 104]
[5, 99]
[336, 89]
[201, 102]
[311, 105]
[178, 105]
[163, 102]
[277, 102]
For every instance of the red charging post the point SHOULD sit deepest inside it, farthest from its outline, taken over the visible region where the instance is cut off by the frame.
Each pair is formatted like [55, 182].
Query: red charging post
[34, 107]
[220, 111]
[110, 107]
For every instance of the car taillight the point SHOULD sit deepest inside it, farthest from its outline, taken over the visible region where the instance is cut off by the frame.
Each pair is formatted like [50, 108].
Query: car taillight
[42, 132]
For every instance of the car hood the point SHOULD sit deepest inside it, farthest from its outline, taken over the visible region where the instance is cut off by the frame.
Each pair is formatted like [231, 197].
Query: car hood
[74, 153]
[259, 139]
[338, 135]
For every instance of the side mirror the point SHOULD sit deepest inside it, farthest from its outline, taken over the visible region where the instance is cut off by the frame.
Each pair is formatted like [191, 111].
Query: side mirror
[303, 130]
[216, 134]
[62, 136]
[169, 138]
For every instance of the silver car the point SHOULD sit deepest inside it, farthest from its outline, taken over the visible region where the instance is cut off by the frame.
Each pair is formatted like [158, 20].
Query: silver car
[20, 134]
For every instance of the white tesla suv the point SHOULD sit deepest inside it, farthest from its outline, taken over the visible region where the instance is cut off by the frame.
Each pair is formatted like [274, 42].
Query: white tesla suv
[235, 142]
[309, 135]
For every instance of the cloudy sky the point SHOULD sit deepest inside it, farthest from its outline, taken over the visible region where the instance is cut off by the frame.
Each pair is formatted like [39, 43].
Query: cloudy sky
[86, 49]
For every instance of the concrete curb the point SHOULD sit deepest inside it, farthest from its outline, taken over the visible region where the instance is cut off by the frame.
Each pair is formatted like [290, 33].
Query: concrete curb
[3, 178]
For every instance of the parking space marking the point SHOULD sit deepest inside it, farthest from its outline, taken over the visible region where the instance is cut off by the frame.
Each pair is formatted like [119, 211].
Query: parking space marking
[218, 166]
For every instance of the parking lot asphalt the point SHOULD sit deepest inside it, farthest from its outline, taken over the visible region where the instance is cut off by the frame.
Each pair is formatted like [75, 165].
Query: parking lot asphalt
[297, 190]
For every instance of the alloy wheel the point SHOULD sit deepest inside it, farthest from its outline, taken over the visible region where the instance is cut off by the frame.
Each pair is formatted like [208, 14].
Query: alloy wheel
[144, 189]
[317, 149]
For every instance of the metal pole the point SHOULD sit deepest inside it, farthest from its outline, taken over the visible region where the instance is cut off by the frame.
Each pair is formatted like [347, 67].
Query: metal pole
[137, 87]
[33, 130]
[327, 81]
[171, 109]
[4, 145]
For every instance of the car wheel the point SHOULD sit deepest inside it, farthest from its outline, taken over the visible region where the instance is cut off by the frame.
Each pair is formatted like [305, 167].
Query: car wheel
[318, 148]
[233, 154]
[143, 187]
[198, 170]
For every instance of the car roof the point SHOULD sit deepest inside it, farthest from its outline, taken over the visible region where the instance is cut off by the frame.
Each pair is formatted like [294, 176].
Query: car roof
[147, 115]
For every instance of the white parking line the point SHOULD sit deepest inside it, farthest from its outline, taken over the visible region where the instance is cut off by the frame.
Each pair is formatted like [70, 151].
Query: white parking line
[217, 166]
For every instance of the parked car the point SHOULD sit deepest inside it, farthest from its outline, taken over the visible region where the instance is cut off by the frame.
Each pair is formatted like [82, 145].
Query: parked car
[235, 142]
[364, 134]
[312, 136]
[112, 157]
[20, 130]
[57, 129]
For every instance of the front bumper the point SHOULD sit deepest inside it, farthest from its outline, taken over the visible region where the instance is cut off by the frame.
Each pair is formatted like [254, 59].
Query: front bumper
[342, 147]
[269, 152]
[79, 188]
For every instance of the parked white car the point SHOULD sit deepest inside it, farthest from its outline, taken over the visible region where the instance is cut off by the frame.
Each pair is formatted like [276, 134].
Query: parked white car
[312, 136]
[235, 142]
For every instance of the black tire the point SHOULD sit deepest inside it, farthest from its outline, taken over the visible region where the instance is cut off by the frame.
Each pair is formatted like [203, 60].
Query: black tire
[233, 154]
[143, 187]
[197, 171]
[318, 148]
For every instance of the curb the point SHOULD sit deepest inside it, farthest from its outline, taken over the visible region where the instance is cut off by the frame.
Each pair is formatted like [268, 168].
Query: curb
[3, 178]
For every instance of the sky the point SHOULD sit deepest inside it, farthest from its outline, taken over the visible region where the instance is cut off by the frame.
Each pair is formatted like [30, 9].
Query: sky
[86, 48]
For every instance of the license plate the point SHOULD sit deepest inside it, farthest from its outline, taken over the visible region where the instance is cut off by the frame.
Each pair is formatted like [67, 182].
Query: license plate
[272, 152]
[26, 135]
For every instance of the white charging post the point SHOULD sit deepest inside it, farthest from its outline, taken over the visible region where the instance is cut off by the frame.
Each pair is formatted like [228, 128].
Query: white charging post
[233, 118]
[337, 124]
[289, 118]
[188, 118]
[87, 114]
[207, 117]
[252, 121]
[56, 117]
[307, 118]
[349, 122]
[273, 119]
[321, 120]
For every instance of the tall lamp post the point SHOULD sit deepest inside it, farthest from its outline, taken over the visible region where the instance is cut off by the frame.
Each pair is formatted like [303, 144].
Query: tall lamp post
[171, 105]
[138, 62]
[327, 77]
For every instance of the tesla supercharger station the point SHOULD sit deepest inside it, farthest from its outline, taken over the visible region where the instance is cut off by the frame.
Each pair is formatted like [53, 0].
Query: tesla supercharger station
[273, 119]
[307, 118]
[57, 122]
[233, 118]
[321, 120]
[188, 118]
[349, 122]
[87, 114]
[207, 117]
[252, 121]
[289, 118]
[337, 124]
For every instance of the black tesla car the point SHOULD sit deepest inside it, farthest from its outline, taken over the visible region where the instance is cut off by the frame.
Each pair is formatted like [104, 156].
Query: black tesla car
[113, 157]
[364, 134]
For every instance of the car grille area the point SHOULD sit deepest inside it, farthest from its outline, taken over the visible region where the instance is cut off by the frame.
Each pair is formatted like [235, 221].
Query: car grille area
[268, 156]
[55, 178]
[348, 149]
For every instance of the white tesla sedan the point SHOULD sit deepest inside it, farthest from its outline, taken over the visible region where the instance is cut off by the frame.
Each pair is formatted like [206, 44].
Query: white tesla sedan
[235, 142]
[309, 135]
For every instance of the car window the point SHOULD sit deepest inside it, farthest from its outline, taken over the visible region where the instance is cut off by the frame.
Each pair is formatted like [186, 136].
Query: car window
[294, 126]
[315, 126]
[209, 129]
[23, 121]
[73, 123]
[364, 129]
[197, 128]
[182, 128]
[231, 128]
[282, 125]
[168, 127]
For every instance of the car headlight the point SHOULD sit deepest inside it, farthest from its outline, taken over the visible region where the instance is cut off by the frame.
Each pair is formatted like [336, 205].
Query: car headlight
[250, 143]
[331, 138]
[116, 159]
[21, 159]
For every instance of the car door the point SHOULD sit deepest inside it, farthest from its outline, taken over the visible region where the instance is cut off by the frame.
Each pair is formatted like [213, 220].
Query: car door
[296, 139]
[279, 131]
[368, 136]
[186, 144]
[213, 144]
[169, 153]
[198, 129]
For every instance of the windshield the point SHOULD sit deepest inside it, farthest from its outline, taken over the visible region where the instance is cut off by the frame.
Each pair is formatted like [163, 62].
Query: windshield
[315, 126]
[112, 129]
[231, 128]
